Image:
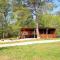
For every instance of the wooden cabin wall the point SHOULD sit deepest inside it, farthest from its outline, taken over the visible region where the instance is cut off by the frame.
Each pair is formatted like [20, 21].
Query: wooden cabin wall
[31, 33]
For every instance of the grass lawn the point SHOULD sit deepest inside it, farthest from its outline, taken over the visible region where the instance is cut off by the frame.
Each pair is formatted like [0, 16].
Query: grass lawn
[49, 51]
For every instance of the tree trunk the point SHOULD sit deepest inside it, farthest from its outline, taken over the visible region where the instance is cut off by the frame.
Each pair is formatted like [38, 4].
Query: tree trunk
[3, 27]
[34, 33]
[47, 32]
[3, 35]
[37, 27]
[37, 30]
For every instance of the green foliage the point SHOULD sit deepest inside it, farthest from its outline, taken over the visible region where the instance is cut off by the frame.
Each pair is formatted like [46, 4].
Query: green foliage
[3, 4]
[22, 16]
[28, 23]
[51, 21]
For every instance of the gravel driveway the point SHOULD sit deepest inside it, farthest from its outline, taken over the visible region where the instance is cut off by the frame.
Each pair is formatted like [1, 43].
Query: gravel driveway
[28, 43]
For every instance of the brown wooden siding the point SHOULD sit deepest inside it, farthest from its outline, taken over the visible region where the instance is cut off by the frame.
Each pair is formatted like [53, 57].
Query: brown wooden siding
[48, 35]
[31, 33]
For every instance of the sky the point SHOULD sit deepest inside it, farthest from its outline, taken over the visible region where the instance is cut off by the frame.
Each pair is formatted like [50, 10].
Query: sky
[57, 8]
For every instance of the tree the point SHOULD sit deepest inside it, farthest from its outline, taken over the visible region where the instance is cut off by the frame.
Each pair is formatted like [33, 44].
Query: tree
[3, 5]
[50, 21]
[36, 7]
[22, 16]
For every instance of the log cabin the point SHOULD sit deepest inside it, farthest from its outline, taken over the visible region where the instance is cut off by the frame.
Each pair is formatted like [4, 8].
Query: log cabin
[43, 32]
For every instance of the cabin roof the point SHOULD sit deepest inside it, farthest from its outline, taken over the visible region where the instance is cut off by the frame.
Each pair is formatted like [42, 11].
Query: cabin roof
[39, 28]
[22, 29]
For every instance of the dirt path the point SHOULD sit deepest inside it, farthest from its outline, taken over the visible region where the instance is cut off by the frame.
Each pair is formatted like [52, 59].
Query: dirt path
[28, 43]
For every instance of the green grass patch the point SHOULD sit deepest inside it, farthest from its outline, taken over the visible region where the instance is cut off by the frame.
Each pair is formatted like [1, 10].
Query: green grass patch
[49, 51]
